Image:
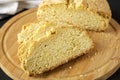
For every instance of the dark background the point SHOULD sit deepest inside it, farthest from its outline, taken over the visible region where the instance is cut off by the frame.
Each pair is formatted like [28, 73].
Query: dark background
[115, 7]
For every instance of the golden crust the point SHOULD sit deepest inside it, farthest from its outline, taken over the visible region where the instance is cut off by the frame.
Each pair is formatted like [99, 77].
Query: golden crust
[98, 6]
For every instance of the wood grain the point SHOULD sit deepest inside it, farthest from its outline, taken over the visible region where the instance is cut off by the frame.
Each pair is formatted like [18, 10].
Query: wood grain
[100, 63]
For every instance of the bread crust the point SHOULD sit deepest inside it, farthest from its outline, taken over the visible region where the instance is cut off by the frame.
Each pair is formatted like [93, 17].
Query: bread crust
[97, 6]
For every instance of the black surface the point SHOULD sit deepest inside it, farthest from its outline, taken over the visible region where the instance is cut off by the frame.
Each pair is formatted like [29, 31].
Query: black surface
[115, 7]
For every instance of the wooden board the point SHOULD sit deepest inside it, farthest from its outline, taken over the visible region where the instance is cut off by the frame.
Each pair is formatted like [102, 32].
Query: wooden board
[100, 63]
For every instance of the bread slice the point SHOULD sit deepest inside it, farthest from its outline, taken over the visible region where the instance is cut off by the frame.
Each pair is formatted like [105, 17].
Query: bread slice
[86, 14]
[55, 47]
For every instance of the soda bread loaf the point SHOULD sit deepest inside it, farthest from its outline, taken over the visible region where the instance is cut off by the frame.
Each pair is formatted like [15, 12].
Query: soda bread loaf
[86, 14]
[49, 47]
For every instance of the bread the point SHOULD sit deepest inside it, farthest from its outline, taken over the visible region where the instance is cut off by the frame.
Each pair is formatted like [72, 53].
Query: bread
[60, 35]
[86, 14]
[51, 47]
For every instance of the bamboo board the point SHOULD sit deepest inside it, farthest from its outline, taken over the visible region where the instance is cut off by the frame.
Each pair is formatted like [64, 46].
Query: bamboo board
[100, 63]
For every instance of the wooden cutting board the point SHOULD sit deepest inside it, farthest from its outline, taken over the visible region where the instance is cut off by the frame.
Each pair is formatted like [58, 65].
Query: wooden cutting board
[100, 63]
